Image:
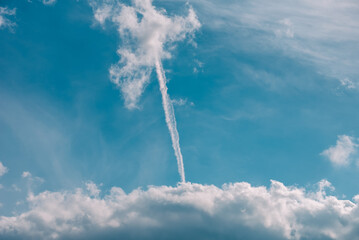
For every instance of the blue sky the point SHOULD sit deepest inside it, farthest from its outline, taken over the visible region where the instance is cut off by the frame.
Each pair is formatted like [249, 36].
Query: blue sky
[260, 91]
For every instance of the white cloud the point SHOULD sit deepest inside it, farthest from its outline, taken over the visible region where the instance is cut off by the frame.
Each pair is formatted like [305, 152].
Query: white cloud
[345, 82]
[32, 181]
[182, 102]
[341, 154]
[286, 29]
[188, 211]
[48, 2]
[322, 32]
[92, 189]
[147, 34]
[5, 22]
[26, 174]
[3, 169]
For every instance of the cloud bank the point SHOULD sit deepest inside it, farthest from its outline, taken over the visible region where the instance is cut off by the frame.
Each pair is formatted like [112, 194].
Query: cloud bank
[187, 211]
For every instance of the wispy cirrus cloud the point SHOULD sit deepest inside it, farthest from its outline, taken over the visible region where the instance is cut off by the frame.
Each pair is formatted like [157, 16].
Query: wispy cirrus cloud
[343, 152]
[5, 21]
[233, 211]
[323, 33]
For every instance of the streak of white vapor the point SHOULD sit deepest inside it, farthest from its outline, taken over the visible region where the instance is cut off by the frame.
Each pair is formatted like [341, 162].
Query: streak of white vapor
[170, 118]
[148, 34]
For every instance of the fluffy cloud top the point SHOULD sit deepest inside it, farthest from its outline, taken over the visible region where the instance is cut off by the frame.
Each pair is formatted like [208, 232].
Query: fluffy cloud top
[5, 22]
[3, 169]
[147, 34]
[187, 211]
[341, 154]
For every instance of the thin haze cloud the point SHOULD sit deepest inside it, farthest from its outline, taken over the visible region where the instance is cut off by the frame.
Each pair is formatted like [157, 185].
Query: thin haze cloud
[147, 33]
[323, 32]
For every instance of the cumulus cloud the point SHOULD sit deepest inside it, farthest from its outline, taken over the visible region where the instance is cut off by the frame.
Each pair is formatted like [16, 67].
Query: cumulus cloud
[92, 189]
[3, 169]
[342, 153]
[147, 35]
[5, 22]
[187, 211]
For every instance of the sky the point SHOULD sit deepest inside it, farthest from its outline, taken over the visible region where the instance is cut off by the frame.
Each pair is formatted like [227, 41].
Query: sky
[193, 119]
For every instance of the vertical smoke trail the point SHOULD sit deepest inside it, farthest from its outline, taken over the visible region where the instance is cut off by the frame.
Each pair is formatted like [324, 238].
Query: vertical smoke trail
[170, 118]
[148, 34]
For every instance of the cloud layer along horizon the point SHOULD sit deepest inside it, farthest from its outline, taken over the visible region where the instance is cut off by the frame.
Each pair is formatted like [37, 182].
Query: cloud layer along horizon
[234, 211]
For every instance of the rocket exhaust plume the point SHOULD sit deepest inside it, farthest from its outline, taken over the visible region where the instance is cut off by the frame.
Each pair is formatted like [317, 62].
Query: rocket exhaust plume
[148, 34]
[170, 118]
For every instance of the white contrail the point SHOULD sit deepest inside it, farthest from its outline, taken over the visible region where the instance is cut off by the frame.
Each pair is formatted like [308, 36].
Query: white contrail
[146, 34]
[170, 118]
